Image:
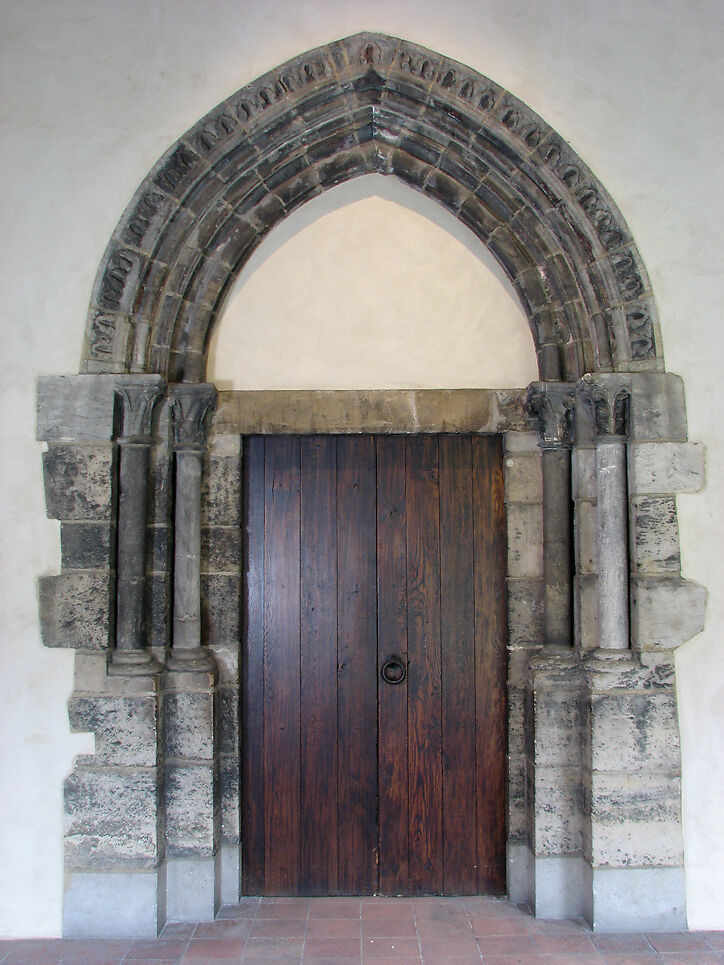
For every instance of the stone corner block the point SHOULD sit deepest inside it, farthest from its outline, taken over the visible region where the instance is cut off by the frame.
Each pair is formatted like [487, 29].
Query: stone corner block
[523, 477]
[79, 481]
[75, 407]
[75, 610]
[658, 408]
[666, 467]
[137, 901]
[125, 727]
[666, 612]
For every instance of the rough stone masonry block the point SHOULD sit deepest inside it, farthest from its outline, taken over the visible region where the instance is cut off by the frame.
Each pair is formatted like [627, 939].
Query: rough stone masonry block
[635, 820]
[192, 813]
[221, 482]
[228, 702]
[655, 534]
[87, 546]
[525, 540]
[78, 407]
[220, 602]
[557, 810]
[75, 610]
[79, 481]
[557, 715]
[111, 818]
[633, 731]
[125, 727]
[517, 808]
[525, 611]
[658, 410]
[666, 467]
[665, 612]
[220, 549]
[523, 478]
[229, 798]
[583, 471]
[189, 725]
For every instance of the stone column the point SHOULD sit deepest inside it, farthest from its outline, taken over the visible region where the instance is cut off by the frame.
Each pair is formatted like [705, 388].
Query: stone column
[190, 405]
[137, 399]
[610, 401]
[552, 404]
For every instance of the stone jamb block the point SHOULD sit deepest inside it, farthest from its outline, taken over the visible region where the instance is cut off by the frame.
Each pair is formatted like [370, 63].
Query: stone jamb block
[523, 477]
[654, 535]
[192, 809]
[525, 611]
[125, 727]
[525, 540]
[79, 481]
[76, 609]
[665, 611]
[632, 731]
[658, 468]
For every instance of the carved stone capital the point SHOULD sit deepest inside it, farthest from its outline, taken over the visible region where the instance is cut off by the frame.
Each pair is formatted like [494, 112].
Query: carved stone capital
[138, 399]
[191, 403]
[610, 402]
[552, 405]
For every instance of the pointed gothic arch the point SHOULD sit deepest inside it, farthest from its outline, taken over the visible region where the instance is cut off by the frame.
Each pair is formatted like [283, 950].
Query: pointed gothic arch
[371, 104]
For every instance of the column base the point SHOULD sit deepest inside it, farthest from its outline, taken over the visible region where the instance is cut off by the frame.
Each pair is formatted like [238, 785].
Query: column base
[230, 874]
[114, 904]
[193, 660]
[194, 888]
[133, 663]
[635, 899]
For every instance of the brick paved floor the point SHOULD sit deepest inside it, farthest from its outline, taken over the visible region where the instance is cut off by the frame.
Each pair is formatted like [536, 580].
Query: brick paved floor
[375, 931]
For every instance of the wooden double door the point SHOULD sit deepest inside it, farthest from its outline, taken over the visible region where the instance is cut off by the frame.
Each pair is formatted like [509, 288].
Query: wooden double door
[374, 672]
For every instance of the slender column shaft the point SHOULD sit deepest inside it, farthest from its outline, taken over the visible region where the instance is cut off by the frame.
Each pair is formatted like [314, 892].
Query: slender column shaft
[132, 506]
[187, 554]
[557, 546]
[613, 603]
[190, 406]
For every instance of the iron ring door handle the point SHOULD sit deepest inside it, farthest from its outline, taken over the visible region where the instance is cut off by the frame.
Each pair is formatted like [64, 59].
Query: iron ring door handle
[393, 670]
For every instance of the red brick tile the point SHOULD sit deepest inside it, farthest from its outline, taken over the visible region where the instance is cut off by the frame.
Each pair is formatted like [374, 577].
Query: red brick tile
[677, 941]
[332, 947]
[507, 945]
[334, 908]
[523, 959]
[715, 939]
[388, 908]
[395, 927]
[564, 944]
[36, 950]
[224, 928]
[284, 908]
[697, 957]
[212, 949]
[246, 908]
[445, 929]
[375, 948]
[313, 960]
[278, 928]
[334, 928]
[631, 958]
[92, 951]
[159, 949]
[178, 929]
[498, 925]
[622, 942]
[491, 907]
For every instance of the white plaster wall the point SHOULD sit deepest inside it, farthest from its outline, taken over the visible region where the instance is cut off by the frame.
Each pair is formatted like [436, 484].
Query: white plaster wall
[94, 91]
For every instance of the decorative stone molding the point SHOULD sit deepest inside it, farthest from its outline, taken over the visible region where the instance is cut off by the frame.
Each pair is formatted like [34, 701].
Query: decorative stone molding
[371, 104]
[552, 405]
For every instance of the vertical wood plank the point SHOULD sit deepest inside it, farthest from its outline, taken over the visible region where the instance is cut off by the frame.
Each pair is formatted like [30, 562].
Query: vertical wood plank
[281, 666]
[252, 668]
[357, 663]
[318, 666]
[424, 674]
[490, 676]
[458, 665]
[392, 641]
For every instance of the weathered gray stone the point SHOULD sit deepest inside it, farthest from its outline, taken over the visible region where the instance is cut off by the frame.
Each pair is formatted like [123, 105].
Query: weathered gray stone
[523, 478]
[666, 467]
[633, 731]
[90, 672]
[557, 727]
[520, 441]
[125, 727]
[516, 720]
[137, 900]
[557, 810]
[583, 473]
[158, 610]
[159, 548]
[189, 726]
[228, 703]
[87, 546]
[229, 801]
[76, 610]
[378, 411]
[586, 538]
[194, 888]
[658, 410]
[655, 532]
[221, 483]
[75, 407]
[192, 813]
[517, 807]
[111, 819]
[635, 899]
[556, 886]
[230, 874]
[220, 608]
[585, 611]
[613, 594]
[79, 481]
[525, 611]
[220, 549]
[665, 612]
[525, 540]
[635, 819]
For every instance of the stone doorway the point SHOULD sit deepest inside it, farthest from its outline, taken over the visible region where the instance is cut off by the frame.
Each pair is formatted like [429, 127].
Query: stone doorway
[143, 471]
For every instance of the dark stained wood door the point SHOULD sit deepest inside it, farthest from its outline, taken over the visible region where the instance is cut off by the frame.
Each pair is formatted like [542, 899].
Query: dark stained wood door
[368, 558]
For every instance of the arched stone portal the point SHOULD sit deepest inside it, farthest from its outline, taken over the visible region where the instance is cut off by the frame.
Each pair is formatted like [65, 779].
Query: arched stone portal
[147, 488]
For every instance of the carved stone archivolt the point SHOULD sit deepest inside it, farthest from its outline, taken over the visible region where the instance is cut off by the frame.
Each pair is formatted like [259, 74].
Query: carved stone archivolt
[371, 104]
